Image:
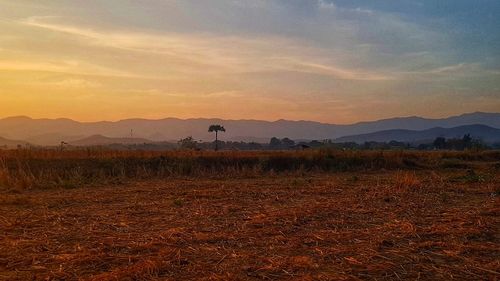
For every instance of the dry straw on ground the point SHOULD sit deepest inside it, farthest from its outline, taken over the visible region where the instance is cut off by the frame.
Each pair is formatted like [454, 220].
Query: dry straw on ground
[378, 223]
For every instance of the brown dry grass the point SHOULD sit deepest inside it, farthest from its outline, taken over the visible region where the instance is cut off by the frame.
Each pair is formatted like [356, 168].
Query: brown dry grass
[426, 224]
[28, 169]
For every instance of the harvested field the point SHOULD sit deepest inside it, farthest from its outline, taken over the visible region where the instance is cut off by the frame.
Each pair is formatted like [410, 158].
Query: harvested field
[425, 224]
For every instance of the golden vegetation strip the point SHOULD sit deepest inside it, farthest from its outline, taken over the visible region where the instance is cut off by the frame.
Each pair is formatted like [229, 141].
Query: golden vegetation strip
[50, 168]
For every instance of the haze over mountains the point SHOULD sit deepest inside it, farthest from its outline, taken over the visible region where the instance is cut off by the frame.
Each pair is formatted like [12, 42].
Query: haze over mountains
[53, 131]
[103, 140]
[11, 143]
[485, 133]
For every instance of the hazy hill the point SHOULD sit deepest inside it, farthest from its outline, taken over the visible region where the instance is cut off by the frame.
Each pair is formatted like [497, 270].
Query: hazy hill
[419, 123]
[102, 140]
[485, 133]
[52, 139]
[53, 131]
[11, 143]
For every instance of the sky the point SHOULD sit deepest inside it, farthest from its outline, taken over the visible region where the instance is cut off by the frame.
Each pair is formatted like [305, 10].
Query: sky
[335, 61]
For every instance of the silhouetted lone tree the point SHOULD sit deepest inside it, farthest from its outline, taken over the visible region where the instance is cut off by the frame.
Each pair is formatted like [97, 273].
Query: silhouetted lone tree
[216, 129]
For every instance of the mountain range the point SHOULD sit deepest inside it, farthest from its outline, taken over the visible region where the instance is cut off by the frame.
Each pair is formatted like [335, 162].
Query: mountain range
[485, 133]
[53, 131]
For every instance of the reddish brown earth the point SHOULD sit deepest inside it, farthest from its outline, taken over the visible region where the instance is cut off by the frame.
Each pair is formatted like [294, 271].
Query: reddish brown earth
[427, 225]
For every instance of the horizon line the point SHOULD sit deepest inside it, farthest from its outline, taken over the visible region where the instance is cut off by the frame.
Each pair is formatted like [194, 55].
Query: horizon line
[257, 120]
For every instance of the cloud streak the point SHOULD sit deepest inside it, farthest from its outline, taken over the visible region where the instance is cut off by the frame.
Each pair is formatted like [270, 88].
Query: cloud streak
[245, 54]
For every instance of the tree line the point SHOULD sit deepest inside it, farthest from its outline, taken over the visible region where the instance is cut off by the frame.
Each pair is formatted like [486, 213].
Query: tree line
[275, 143]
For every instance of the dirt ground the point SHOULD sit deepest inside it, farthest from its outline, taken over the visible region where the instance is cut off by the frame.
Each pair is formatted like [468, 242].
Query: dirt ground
[341, 226]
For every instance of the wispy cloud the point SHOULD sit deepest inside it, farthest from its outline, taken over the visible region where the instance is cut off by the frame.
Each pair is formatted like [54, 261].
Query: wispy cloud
[457, 71]
[65, 67]
[224, 54]
[72, 83]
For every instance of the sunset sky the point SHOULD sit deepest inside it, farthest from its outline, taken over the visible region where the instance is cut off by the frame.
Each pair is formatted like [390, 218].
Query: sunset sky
[337, 61]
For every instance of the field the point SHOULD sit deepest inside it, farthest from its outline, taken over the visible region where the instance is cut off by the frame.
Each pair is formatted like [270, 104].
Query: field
[302, 215]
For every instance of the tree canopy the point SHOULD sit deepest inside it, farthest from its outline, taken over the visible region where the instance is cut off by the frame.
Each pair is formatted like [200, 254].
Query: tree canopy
[216, 128]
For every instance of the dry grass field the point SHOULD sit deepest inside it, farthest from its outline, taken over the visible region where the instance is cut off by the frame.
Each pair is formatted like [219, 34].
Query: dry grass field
[318, 215]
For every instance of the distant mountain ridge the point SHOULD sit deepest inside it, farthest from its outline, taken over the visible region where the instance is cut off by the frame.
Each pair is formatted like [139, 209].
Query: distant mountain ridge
[102, 140]
[53, 131]
[485, 133]
[11, 143]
